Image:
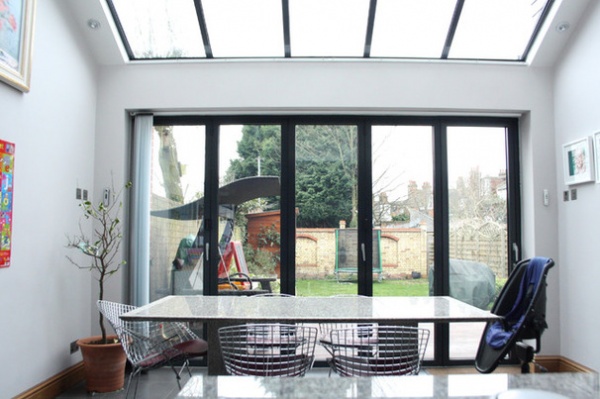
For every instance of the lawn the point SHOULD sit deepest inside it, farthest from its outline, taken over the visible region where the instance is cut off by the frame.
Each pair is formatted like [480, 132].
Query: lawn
[327, 287]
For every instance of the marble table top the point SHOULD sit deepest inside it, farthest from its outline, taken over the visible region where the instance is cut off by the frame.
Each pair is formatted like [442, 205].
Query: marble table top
[310, 309]
[472, 386]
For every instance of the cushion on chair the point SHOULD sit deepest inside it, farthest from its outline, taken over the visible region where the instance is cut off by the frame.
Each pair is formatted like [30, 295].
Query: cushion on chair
[356, 366]
[269, 366]
[193, 348]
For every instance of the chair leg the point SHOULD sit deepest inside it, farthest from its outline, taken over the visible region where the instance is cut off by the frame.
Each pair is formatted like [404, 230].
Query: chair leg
[135, 374]
[178, 373]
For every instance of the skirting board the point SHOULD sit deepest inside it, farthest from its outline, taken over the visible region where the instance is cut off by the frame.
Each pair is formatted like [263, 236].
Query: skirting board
[559, 364]
[56, 385]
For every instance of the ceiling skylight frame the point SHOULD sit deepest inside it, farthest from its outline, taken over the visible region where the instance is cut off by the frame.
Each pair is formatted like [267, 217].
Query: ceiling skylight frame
[367, 32]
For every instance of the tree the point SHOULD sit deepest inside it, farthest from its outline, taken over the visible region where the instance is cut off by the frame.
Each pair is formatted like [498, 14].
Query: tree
[326, 175]
[169, 163]
[326, 169]
[259, 145]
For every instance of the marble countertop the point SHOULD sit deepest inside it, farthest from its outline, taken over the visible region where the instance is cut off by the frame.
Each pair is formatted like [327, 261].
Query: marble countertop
[310, 309]
[472, 386]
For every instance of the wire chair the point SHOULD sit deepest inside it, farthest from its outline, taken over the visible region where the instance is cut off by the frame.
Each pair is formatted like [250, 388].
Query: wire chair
[325, 329]
[378, 350]
[284, 350]
[149, 345]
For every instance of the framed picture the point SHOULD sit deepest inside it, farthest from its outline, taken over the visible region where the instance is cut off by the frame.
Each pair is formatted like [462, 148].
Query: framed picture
[16, 35]
[578, 161]
[7, 168]
[597, 155]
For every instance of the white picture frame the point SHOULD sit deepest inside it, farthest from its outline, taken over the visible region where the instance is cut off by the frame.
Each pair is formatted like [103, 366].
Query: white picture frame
[597, 155]
[578, 161]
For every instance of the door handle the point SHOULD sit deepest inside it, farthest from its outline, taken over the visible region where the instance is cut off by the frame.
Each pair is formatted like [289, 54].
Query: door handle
[515, 248]
[362, 250]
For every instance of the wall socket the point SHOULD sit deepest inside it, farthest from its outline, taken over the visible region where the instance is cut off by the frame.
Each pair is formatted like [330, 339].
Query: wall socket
[73, 347]
[81, 193]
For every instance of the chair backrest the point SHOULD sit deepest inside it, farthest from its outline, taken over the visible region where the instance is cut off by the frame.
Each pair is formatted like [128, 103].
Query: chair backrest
[284, 350]
[326, 328]
[522, 305]
[145, 343]
[377, 350]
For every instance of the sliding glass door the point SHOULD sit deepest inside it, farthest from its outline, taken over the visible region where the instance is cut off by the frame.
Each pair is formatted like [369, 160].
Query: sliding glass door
[248, 207]
[327, 206]
[177, 187]
[478, 224]
[326, 189]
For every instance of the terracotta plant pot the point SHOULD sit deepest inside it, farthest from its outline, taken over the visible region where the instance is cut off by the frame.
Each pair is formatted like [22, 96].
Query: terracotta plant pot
[104, 364]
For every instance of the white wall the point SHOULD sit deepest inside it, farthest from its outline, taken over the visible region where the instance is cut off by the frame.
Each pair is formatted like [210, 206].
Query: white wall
[577, 115]
[345, 87]
[45, 301]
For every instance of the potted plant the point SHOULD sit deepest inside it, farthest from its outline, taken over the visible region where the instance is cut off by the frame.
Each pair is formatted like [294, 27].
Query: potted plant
[103, 356]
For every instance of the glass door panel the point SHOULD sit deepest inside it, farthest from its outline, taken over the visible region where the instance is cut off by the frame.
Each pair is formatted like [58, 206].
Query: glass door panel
[177, 183]
[326, 205]
[249, 211]
[478, 228]
[402, 158]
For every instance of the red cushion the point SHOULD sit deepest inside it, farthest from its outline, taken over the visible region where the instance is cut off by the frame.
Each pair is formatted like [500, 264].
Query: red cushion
[193, 348]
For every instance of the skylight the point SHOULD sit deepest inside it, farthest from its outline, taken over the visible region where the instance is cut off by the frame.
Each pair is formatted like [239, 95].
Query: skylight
[500, 30]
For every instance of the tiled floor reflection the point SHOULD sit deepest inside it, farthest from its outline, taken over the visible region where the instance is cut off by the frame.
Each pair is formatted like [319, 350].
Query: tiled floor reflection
[156, 384]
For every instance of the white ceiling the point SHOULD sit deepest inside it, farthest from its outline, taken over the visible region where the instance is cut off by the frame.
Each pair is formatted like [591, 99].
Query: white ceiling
[108, 50]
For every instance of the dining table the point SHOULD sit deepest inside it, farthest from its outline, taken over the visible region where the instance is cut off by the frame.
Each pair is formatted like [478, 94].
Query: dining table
[218, 311]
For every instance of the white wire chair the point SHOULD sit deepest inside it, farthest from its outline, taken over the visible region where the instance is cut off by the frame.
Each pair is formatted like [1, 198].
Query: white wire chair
[284, 350]
[378, 350]
[150, 345]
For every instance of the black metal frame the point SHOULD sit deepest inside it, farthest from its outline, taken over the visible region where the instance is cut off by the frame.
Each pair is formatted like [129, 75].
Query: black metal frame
[287, 39]
[288, 123]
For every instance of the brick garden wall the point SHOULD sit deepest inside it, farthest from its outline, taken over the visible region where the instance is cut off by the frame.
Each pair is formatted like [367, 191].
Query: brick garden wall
[404, 250]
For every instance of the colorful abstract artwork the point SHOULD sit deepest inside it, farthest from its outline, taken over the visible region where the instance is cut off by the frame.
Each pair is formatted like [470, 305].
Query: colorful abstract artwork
[7, 165]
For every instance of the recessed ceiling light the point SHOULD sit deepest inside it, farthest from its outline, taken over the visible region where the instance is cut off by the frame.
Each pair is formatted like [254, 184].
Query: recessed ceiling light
[93, 24]
[563, 27]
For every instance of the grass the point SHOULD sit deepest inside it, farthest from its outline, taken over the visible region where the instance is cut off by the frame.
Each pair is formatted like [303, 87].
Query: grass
[328, 287]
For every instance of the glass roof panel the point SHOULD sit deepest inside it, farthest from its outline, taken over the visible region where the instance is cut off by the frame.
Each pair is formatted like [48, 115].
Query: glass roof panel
[161, 28]
[242, 28]
[328, 28]
[411, 28]
[496, 29]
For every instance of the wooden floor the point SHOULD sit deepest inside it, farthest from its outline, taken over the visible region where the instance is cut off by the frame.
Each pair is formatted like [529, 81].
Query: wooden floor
[469, 370]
